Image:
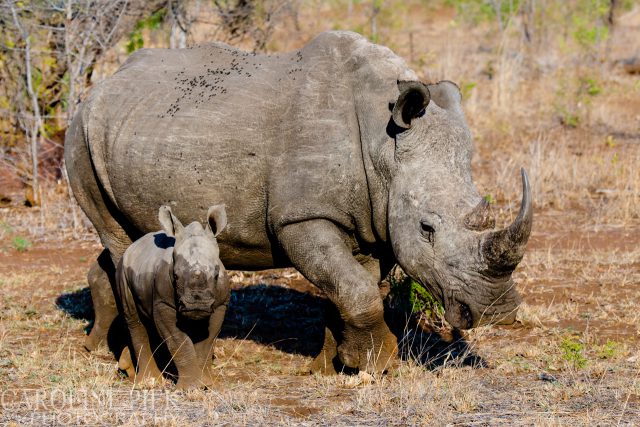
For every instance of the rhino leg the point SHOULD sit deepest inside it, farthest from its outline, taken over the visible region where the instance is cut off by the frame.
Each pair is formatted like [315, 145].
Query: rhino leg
[140, 344]
[125, 363]
[100, 278]
[204, 348]
[115, 232]
[147, 367]
[320, 251]
[326, 362]
[180, 347]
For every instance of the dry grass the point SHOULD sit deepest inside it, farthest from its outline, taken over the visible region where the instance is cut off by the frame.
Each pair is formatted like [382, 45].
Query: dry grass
[571, 359]
[58, 218]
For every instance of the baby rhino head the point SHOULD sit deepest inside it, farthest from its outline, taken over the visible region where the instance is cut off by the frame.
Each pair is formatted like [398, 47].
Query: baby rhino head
[200, 279]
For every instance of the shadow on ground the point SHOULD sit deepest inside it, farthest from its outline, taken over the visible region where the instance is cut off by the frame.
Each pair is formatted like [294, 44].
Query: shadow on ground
[294, 322]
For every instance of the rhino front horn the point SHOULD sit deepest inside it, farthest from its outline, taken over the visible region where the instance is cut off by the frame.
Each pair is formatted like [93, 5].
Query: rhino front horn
[503, 249]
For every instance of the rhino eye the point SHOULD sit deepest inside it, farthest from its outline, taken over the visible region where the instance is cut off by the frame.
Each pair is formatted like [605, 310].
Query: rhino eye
[427, 231]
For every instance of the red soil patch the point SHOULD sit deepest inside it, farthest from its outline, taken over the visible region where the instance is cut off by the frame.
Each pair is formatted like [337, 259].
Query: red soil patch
[69, 256]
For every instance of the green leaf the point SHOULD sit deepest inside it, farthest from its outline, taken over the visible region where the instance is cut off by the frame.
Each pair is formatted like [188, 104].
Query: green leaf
[21, 244]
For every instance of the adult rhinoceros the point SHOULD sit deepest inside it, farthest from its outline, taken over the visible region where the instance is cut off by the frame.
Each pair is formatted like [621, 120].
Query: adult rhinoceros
[333, 159]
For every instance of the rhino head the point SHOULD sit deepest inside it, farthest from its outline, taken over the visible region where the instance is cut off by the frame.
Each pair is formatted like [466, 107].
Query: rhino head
[199, 277]
[441, 230]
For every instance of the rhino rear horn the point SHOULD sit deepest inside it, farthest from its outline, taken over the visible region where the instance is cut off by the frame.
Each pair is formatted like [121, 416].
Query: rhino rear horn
[480, 218]
[170, 224]
[217, 219]
[503, 249]
[414, 98]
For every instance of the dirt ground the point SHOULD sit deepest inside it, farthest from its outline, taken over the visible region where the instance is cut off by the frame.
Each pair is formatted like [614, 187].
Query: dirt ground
[571, 359]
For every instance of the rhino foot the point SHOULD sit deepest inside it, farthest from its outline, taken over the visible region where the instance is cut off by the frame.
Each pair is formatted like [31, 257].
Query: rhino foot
[125, 364]
[208, 377]
[204, 378]
[373, 350]
[191, 383]
[96, 338]
[149, 377]
[325, 362]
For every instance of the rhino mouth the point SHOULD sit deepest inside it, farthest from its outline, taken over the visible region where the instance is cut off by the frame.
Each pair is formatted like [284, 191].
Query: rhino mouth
[195, 311]
[462, 315]
[466, 316]
[456, 312]
[459, 314]
[196, 314]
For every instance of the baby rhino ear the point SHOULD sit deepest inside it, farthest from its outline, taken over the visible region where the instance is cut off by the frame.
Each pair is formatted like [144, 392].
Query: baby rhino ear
[170, 224]
[217, 219]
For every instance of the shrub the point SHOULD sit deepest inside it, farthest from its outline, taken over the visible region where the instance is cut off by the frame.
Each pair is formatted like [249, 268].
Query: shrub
[573, 352]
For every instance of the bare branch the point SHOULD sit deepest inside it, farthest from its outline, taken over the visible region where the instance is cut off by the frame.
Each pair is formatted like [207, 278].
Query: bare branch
[36, 128]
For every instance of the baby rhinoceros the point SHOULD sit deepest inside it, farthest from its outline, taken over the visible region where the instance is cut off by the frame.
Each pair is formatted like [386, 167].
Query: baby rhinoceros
[168, 283]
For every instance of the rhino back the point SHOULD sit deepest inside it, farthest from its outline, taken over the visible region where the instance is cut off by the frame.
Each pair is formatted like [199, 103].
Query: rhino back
[276, 138]
[167, 126]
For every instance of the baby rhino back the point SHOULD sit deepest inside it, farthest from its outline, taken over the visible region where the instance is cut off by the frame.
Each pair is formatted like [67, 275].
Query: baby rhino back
[145, 262]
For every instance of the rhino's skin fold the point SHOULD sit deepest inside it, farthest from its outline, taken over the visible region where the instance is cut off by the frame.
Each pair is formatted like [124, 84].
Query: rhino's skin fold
[333, 159]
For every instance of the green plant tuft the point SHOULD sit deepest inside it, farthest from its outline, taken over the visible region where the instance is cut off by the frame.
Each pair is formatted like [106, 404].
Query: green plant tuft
[21, 244]
[415, 298]
[570, 119]
[592, 87]
[608, 350]
[573, 352]
[466, 88]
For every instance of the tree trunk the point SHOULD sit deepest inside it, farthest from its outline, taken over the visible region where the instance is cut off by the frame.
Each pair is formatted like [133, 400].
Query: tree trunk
[36, 127]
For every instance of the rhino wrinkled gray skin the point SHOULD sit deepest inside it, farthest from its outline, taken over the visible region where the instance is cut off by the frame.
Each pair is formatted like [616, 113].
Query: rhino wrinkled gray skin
[166, 278]
[333, 159]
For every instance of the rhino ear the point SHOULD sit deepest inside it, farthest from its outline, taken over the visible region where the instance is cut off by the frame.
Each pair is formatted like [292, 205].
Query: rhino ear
[446, 94]
[216, 219]
[414, 98]
[170, 224]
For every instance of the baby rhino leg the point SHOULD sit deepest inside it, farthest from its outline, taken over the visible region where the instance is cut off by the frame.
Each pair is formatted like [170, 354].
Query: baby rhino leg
[204, 348]
[125, 363]
[139, 344]
[180, 347]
